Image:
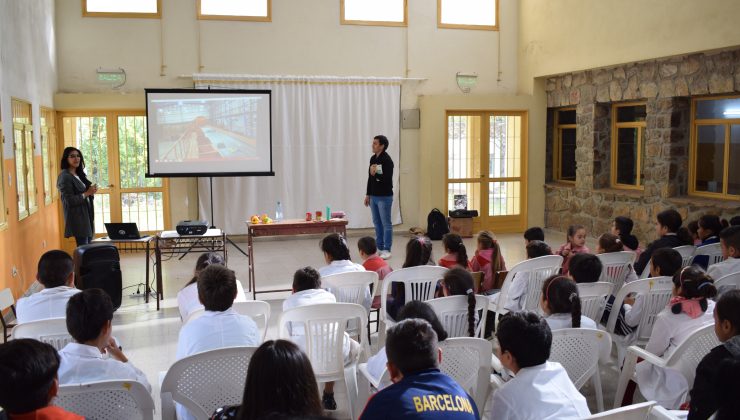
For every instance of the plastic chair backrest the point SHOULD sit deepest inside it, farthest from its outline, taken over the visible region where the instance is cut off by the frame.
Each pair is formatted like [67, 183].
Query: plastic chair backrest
[713, 251]
[578, 349]
[324, 325]
[206, 381]
[419, 283]
[452, 312]
[539, 270]
[687, 254]
[657, 292]
[113, 400]
[593, 298]
[686, 357]
[467, 360]
[728, 282]
[616, 267]
[51, 331]
[258, 310]
[352, 287]
[6, 299]
[639, 411]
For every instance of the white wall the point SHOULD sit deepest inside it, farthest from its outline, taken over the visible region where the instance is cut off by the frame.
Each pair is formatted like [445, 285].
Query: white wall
[305, 38]
[28, 62]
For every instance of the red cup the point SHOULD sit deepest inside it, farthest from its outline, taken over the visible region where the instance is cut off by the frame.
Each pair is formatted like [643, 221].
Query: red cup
[308, 216]
[318, 216]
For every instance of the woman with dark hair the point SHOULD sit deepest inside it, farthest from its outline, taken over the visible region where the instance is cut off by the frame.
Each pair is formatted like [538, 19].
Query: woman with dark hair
[187, 298]
[280, 381]
[77, 193]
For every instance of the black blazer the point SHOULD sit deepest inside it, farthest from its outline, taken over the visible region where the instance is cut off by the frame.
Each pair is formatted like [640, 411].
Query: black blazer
[78, 210]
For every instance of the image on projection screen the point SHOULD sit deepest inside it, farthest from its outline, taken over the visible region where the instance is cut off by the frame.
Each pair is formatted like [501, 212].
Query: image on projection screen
[208, 133]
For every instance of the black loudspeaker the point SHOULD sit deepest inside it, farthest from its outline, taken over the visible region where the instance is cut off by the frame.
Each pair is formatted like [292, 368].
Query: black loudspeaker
[98, 266]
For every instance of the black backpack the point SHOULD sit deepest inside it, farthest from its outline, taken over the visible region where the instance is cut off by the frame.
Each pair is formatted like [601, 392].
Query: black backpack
[436, 225]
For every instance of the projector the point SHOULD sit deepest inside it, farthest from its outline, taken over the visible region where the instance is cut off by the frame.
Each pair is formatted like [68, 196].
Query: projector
[192, 227]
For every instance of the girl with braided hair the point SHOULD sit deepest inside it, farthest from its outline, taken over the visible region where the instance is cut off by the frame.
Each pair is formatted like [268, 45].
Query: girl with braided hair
[459, 282]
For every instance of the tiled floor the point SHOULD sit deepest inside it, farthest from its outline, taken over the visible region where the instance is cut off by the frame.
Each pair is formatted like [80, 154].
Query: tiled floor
[149, 337]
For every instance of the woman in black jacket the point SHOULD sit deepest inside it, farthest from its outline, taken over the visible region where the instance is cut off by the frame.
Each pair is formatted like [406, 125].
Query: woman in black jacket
[77, 193]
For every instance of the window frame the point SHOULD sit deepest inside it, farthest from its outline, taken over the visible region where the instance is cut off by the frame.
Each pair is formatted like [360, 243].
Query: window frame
[51, 150]
[26, 162]
[124, 15]
[693, 145]
[441, 25]
[641, 128]
[201, 16]
[405, 23]
[557, 147]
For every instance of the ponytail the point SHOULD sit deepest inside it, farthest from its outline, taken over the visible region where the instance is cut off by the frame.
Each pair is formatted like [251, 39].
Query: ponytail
[694, 284]
[471, 312]
[575, 310]
[487, 240]
[459, 282]
[561, 295]
[454, 243]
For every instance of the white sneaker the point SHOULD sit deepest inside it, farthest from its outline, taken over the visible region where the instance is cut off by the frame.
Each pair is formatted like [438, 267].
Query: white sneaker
[385, 254]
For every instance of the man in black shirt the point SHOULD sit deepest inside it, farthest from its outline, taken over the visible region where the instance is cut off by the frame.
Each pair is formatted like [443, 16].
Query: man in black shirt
[379, 195]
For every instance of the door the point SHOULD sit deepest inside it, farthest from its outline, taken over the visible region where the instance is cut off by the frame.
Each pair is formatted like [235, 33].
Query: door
[486, 167]
[114, 147]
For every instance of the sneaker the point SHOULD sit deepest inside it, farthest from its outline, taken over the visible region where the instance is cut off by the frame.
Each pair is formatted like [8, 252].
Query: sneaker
[327, 400]
[385, 254]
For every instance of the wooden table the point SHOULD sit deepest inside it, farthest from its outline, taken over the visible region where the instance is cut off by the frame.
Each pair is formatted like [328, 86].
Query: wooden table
[171, 243]
[286, 227]
[146, 240]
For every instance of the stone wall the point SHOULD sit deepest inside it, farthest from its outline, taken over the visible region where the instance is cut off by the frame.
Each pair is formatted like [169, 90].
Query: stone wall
[666, 86]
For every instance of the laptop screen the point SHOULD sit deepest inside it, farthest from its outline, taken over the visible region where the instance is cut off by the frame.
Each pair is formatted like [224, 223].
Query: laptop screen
[122, 230]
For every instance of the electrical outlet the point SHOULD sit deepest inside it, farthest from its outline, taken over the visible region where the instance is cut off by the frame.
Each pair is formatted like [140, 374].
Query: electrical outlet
[14, 271]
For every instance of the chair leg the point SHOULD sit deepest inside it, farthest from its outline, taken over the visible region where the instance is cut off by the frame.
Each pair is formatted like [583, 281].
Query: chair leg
[624, 377]
[350, 382]
[596, 381]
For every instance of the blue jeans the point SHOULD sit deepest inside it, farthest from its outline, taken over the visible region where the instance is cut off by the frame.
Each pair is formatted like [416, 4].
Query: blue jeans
[380, 206]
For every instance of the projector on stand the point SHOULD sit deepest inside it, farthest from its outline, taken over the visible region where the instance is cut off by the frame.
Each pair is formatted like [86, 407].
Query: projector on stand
[192, 227]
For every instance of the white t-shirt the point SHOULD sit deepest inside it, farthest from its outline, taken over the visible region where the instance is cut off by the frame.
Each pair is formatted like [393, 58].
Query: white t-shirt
[45, 304]
[81, 363]
[188, 301]
[539, 392]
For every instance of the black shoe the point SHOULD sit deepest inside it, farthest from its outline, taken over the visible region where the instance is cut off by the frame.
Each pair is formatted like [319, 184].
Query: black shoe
[327, 400]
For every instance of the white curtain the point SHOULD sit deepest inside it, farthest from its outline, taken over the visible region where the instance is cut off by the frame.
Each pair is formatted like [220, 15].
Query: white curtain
[322, 132]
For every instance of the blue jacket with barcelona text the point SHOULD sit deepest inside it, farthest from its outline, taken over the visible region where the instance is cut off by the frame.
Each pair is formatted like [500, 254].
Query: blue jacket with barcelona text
[429, 394]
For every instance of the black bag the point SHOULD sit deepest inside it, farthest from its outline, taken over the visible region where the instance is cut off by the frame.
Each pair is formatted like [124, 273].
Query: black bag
[99, 266]
[437, 225]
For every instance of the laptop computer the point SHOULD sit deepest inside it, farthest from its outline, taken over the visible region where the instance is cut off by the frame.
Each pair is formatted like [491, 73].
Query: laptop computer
[122, 231]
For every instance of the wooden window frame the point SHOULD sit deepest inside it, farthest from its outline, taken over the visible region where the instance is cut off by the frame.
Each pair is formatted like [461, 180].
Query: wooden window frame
[31, 190]
[463, 26]
[344, 21]
[693, 145]
[125, 15]
[639, 186]
[51, 148]
[201, 16]
[557, 145]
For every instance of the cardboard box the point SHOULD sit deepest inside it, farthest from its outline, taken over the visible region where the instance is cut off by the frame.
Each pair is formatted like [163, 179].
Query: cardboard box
[462, 226]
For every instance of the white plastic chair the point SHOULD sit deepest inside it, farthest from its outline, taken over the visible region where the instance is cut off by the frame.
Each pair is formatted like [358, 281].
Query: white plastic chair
[578, 349]
[616, 267]
[593, 298]
[206, 381]
[352, 287]
[51, 331]
[7, 301]
[539, 270]
[657, 292]
[639, 411]
[419, 283]
[684, 358]
[728, 282]
[111, 400]
[467, 360]
[258, 310]
[324, 327]
[712, 251]
[367, 384]
[452, 312]
[687, 254]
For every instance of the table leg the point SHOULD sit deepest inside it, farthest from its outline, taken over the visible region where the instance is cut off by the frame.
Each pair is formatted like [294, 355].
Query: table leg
[226, 257]
[146, 288]
[250, 258]
[158, 262]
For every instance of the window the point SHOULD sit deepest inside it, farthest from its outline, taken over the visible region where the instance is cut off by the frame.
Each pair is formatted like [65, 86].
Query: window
[628, 151]
[50, 163]
[23, 148]
[3, 210]
[255, 10]
[715, 148]
[564, 150]
[373, 12]
[469, 14]
[123, 9]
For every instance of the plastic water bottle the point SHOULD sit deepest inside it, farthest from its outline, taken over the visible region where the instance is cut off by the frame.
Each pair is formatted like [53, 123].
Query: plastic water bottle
[279, 212]
[328, 213]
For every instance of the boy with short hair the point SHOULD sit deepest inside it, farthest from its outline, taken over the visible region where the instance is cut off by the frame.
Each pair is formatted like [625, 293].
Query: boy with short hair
[534, 234]
[372, 262]
[585, 268]
[539, 389]
[89, 316]
[419, 390]
[56, 274]
[667, 224]
[729, 240]
[28, 369]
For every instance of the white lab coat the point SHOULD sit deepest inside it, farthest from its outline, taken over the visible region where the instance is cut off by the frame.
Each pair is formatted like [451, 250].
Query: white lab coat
[516, 294]
[665, 385]
[721, 269]
[560, 321]
[45, 304]
[539, 393]
[188, 301]
[81, 363]
[216, 330]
